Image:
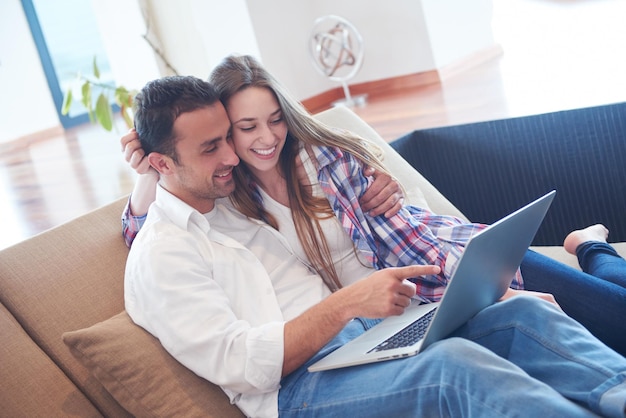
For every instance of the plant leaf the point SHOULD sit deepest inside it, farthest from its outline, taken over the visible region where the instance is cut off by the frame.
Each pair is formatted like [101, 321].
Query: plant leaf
[127, 115]
[122, 97]
[67, 102]
[86, 91]
[104, 113]
[96, 71]
[125, 99]
[86, 99]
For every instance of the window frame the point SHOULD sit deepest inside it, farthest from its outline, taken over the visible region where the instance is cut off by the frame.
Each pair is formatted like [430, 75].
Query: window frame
[58, 95]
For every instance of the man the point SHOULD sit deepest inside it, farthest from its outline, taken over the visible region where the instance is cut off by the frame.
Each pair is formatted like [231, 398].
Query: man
[226, 296]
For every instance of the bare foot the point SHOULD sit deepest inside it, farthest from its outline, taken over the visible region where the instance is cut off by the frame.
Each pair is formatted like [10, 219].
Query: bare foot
[597, 232]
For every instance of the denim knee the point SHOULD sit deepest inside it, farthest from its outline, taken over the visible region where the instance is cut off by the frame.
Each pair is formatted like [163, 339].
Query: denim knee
[454, 352]
[525, 307]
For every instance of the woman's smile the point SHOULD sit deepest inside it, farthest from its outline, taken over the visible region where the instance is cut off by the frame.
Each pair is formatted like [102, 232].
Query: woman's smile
[264, 152]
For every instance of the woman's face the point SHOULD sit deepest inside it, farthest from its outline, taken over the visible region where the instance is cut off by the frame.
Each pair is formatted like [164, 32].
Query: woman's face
[258, 128]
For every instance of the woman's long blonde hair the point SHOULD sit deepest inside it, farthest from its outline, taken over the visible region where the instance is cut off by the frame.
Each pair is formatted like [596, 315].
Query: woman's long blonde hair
[236, 73]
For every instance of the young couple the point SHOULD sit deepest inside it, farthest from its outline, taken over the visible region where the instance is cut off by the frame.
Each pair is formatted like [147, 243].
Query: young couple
[240, 303]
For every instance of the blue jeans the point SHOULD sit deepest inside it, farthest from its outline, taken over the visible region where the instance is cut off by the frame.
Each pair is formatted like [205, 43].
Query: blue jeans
[601, 260]
[596, 302]
[521, 357]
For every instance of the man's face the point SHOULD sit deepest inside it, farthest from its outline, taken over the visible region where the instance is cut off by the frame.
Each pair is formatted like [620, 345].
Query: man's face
[205, 157]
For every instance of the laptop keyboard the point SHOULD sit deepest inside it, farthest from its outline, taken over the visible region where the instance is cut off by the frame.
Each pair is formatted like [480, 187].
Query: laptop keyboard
[408, 335]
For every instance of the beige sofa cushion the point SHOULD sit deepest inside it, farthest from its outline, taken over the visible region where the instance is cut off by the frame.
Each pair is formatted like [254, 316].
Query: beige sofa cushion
[64, 279]
[134, 367]
[32, 385]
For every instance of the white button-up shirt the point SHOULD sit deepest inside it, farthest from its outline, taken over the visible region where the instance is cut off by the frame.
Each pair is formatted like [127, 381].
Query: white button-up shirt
[217, 289]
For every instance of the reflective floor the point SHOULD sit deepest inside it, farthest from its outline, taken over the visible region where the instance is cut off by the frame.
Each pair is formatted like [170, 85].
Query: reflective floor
[557, 54]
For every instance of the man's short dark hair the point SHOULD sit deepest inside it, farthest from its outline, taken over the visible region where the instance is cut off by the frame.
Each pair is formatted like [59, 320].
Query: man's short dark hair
[160, 102]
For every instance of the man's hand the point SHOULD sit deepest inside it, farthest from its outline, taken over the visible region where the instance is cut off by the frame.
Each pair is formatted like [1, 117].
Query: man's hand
[134, 154]
[385, 292]
[383, 196]
[514, 292]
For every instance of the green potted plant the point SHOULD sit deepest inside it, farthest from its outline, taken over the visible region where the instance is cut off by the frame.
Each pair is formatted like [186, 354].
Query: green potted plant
[110, 95]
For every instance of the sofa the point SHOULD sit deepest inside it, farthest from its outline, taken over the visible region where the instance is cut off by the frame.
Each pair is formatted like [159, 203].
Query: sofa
[488, 169]
[69, 349]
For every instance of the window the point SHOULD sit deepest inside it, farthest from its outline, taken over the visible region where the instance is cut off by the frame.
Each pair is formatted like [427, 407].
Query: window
[67, 38]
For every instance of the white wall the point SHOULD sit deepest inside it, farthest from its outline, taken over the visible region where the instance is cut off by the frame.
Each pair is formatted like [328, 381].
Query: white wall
[26, 105]
[394, 36]
[401, 37]
[197, 34]
[122, 28]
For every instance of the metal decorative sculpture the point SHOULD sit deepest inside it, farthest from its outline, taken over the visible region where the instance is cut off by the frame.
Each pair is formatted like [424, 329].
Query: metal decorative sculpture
[336, 50]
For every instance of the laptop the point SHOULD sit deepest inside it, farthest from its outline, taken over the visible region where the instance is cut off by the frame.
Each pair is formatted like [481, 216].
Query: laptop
[483, 274]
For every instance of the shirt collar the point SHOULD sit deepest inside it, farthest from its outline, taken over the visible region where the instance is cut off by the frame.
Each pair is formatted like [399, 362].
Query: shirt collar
[326, 155]
[179, 212]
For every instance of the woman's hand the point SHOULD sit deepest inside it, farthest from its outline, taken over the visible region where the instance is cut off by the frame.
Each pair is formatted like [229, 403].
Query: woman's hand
[134, 154]
[144, 192]
[383, 196]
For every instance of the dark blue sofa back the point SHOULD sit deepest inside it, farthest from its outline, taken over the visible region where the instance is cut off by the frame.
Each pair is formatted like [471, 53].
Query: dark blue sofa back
[489, 169]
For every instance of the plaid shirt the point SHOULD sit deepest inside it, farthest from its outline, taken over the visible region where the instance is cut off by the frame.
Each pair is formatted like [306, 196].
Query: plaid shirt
[412, 236]
[131, 224]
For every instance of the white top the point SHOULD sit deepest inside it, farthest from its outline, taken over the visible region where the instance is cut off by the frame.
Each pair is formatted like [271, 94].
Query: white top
[344, 256]
[213, 290]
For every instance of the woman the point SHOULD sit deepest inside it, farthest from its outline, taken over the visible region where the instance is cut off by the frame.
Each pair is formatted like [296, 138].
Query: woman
[322, 217]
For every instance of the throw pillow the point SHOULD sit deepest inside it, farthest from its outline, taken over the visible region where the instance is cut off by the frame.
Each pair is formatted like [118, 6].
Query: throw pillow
[136, 370]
